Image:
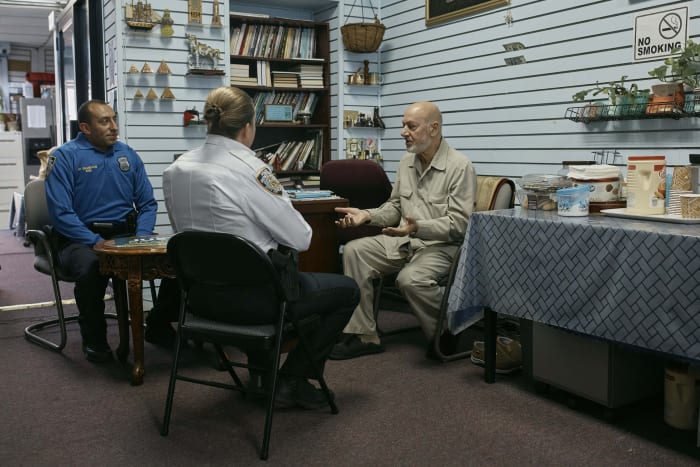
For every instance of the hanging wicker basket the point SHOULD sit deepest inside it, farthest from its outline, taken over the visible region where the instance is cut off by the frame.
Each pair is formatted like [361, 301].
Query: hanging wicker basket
[363, 37]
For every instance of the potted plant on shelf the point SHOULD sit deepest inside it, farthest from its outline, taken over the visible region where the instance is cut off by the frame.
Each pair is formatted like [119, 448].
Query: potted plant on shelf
[678, 75]
[621, 97]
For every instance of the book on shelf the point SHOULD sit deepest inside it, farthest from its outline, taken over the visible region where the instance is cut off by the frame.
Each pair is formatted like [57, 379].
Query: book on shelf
[273, 41]
[310, 182]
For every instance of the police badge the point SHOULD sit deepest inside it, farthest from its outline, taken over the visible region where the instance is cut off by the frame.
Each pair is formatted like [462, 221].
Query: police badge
[123, 164]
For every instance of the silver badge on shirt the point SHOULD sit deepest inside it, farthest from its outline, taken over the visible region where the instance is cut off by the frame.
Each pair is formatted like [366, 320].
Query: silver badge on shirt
[49, 164]
[268, 181]
[123, 164]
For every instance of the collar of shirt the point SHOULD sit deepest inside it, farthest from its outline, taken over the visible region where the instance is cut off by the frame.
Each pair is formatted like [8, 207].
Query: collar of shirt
[82, 142]
[227, 144]
[439, 161]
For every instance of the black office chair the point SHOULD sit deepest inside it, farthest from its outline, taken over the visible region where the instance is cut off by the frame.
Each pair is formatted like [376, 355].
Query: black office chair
[39, 232]
[221, 275]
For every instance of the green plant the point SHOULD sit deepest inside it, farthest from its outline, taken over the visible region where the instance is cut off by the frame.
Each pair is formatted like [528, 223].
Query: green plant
[682, 66]
[614, 90]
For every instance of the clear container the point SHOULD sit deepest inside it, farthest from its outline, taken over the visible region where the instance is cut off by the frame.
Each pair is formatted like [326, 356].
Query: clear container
[536, 190]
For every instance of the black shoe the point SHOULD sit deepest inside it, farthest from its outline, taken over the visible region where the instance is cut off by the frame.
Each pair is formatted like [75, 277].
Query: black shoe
[298, 392]
[98, 353]
[351, 347]
[161, 334]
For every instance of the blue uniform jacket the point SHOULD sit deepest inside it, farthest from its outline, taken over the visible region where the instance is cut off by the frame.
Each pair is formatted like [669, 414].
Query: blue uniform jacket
[85, 185]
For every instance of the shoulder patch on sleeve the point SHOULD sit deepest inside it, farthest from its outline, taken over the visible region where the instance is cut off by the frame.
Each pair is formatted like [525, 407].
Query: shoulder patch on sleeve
[49, 164]
[267, 180]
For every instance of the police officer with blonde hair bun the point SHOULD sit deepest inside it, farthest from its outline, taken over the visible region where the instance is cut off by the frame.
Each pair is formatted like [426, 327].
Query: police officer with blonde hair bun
[223, 187]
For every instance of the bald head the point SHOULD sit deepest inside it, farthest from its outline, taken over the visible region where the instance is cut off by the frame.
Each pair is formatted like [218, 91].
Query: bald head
[422, 129]
[427, 111]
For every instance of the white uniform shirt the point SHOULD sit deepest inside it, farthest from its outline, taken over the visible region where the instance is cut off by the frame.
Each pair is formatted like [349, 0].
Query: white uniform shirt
[222, 187]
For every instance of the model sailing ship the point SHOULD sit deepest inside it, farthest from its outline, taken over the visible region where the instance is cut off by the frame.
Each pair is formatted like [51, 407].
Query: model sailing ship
[141, 15]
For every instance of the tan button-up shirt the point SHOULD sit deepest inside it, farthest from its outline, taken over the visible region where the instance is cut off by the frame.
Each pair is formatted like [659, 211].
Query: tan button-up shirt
[440, 198]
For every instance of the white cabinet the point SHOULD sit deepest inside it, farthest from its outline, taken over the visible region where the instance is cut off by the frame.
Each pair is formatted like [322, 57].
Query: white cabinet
[11, 170]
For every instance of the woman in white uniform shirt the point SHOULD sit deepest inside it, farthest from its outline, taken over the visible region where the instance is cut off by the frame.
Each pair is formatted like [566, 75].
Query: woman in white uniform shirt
[222, 187]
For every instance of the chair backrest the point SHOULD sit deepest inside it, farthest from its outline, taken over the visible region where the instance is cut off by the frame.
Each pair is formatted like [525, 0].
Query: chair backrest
[494, 193]
[36, 216]
[363, 182]
[36, 211]
[223, 274]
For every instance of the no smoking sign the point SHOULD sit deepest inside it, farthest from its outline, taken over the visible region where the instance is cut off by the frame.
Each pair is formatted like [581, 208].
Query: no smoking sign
[658, 32]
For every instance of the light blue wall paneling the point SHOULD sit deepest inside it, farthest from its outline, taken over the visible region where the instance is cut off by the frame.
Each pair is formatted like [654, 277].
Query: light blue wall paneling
[510, 119]
[155, 127]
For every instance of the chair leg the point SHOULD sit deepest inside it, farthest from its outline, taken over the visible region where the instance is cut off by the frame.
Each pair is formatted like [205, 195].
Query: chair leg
[171, 388]
[265, 448]
[229, 368]
[378, 290]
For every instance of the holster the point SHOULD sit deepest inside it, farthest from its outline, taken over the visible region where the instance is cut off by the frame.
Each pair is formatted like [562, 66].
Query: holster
[286, 261]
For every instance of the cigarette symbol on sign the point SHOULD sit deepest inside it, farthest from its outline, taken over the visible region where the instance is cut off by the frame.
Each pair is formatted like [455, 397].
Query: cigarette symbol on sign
[670, 26]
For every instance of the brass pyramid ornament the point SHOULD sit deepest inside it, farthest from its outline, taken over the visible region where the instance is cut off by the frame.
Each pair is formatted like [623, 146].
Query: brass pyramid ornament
[133, 69]
[151, 94]
[138, 94]
[167, 94]
[146, 68]
[164, 69]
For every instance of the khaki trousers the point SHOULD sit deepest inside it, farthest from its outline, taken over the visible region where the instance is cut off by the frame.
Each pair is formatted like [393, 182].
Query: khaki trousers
[368, 258]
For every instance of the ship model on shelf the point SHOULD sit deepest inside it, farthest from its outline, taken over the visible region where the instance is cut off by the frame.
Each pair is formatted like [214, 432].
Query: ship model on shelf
[140, 15]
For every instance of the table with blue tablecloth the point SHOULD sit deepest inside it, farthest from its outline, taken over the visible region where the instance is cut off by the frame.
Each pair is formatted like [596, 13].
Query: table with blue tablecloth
[635, 282]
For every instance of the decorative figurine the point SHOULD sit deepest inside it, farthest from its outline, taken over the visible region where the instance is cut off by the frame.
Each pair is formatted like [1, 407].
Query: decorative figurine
[194, 12]
[166, 24]
[167, 94]
[151, 94]
[138, 94]
[191, 116]
[140, 15]
[164, 69]
[199, 50]
[146, 68]
[215, 16]
[133, 69]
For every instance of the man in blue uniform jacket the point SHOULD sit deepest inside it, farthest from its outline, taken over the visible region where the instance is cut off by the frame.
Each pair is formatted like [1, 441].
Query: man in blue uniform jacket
[96, 188]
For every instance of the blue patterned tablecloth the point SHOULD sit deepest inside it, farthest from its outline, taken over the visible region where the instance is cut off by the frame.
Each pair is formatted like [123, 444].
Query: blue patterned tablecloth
[629, 281]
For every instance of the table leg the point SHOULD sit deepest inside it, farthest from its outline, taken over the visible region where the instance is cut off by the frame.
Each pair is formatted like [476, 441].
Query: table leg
[490, 345]
[120, 302]
[136, 311]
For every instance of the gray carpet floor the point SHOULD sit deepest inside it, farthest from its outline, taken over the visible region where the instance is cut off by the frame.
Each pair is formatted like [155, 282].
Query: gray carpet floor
[396, 408]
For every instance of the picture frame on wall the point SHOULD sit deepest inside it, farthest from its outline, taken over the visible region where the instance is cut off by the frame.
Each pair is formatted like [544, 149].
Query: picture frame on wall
[439, 11]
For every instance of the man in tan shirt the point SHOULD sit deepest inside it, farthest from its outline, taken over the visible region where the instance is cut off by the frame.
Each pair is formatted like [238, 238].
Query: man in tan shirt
[424, 222]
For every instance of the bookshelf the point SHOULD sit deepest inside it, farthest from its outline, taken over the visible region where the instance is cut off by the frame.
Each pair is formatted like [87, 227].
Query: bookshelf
[283, 64]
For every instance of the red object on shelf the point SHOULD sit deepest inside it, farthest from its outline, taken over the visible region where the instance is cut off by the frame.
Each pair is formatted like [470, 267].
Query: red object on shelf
[37, 79]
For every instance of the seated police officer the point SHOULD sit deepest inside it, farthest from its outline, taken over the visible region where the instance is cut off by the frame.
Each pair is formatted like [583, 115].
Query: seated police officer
[96, 188]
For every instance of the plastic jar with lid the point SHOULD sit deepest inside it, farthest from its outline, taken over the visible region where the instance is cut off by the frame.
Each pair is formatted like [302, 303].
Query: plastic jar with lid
[646, 184]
